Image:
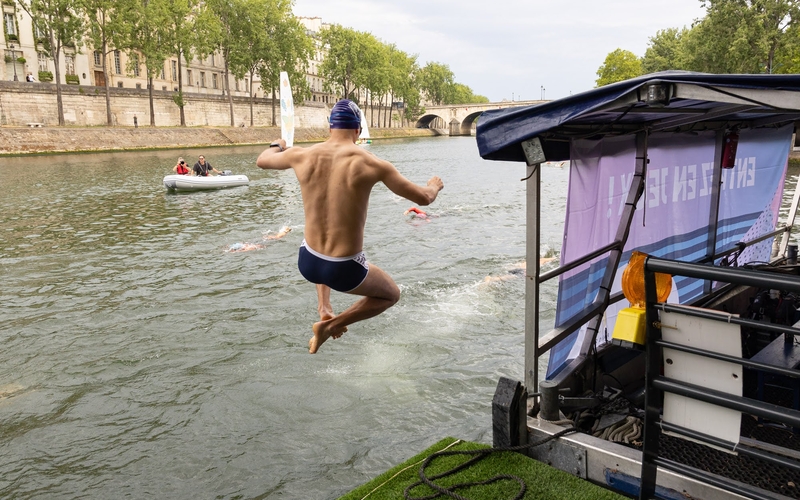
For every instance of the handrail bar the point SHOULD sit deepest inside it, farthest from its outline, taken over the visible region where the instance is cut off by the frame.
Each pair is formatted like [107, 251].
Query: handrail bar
[749, 277]
[727, 318]
[756, 365]
[575, 263]
[737, 247]
[745, 405]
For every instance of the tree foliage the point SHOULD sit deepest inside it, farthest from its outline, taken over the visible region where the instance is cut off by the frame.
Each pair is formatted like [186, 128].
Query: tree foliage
[664, 51]
[734, 36]
[436, 81]
[619, 65]
[63, 22]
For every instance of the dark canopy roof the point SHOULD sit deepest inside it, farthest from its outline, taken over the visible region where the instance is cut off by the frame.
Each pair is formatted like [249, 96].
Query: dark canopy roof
[670, 100]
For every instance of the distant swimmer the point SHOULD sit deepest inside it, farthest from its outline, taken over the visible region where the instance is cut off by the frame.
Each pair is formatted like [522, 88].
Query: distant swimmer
[336, 178]
[280, 234]
[416, 212]
[517, 269]
[246, 247]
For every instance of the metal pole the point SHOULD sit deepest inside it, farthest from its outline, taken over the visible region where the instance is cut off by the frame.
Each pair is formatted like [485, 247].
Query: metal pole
[532, 211]
[716, 191]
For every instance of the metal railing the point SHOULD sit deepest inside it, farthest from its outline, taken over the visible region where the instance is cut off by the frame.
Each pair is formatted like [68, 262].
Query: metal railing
[657, 384]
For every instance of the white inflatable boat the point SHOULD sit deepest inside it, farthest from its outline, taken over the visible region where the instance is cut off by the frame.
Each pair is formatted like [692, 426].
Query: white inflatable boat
[192, 183]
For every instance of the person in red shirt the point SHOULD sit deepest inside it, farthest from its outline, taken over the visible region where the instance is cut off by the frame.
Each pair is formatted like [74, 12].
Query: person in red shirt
[180, 168]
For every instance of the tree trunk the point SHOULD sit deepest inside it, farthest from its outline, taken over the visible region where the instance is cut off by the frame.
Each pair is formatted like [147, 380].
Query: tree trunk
[274, 123]
[180, 87]
[150, 91]
[57, 60]
[227, 86]
[250, 91]
[105, 77]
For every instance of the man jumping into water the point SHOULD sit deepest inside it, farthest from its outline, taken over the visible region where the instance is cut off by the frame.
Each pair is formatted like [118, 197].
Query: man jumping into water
[336, 178]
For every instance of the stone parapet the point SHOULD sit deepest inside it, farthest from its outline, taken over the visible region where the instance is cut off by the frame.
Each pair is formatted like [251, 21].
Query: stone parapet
[22, 103]
[21, 140]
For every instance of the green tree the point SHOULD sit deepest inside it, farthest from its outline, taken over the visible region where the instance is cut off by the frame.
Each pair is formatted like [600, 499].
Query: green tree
[402, 79]
[375, 77]
[462, 94]
[220, 19]
[619, 65]
[664, 51]
[108, 31]
[344, 66]
[741, 36]
[436, 82]
[286, 48]
[251, 35]
[147, 26]
[64, 25]
[183, 32]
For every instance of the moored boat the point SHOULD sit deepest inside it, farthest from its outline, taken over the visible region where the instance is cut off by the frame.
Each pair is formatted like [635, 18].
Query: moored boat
[197, 183]
[694, 392]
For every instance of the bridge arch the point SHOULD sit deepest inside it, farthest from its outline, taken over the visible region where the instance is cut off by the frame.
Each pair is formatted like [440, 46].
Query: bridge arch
[466, 123]
[425, 120]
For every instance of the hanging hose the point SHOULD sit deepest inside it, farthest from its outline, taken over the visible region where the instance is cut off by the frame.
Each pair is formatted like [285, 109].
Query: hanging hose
[479, 455]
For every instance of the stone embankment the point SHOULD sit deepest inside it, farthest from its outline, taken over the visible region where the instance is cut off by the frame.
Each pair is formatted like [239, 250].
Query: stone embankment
[25, 140]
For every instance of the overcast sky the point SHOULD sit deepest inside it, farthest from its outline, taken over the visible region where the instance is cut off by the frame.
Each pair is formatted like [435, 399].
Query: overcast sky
[505, 47]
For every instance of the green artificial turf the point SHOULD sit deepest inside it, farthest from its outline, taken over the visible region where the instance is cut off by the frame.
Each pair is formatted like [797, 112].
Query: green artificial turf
[543, 482]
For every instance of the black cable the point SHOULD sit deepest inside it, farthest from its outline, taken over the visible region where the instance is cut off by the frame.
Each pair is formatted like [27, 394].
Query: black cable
[480, 455]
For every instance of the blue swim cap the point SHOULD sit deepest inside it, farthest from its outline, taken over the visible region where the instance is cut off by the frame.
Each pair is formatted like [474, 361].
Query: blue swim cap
[345, 114]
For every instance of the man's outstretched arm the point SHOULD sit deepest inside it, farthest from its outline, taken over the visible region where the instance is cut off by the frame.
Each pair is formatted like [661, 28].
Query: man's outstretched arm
[276, 157]
[399, 185]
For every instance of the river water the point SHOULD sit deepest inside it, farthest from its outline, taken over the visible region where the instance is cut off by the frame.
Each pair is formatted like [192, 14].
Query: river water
[140, 358]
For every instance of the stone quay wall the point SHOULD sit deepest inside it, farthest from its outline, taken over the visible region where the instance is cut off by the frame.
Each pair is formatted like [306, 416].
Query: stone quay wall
[28, 121]
[22, 140]
[22, 103]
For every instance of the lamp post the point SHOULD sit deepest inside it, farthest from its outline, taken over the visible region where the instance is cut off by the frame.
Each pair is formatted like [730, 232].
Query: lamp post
[14, 60]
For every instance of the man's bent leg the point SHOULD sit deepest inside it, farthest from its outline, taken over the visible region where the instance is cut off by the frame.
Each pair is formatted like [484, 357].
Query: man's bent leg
[324, 302]
[380, 293]
[324, 307]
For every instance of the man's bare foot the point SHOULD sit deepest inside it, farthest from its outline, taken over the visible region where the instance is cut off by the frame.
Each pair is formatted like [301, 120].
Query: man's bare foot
[328, 316]
[322, 332]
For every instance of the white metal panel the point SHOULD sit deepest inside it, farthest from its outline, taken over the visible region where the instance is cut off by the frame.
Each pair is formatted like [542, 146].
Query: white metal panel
[718, 336]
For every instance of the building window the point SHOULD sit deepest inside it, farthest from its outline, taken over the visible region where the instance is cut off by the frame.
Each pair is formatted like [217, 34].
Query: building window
[117, 63]
[174, 68]
[98, 58]
[138, 85]
[213, 63]
[42, 61]
[213, 80]
[202, 78]
[135, 62]
[11, 26]
[237, 85]
[163, 87]
[39, 33]
[162, 77]
[189, 77]
[69, 63]
[119, 84]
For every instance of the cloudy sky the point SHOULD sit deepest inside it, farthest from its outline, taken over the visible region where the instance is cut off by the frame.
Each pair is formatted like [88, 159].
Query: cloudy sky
[505, 47]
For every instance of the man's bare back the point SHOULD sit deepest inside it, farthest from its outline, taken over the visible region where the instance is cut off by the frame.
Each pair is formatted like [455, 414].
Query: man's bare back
[336, 178]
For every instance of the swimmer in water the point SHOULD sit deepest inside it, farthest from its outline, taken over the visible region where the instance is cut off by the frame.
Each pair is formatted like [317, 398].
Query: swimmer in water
[416, 212]
[246, 247]
[517, 269]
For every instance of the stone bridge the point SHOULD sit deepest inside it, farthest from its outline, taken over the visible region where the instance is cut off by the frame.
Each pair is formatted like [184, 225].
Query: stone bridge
[460, 118]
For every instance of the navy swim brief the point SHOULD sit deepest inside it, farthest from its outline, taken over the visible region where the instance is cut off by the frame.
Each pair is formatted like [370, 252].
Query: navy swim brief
[342, 274]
